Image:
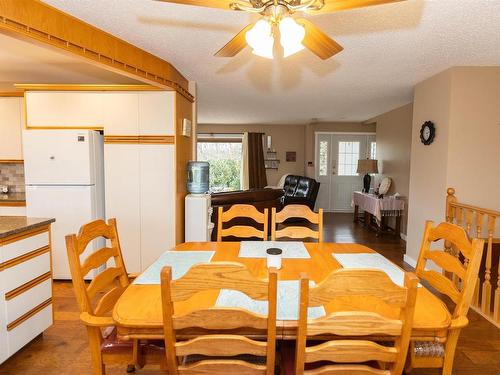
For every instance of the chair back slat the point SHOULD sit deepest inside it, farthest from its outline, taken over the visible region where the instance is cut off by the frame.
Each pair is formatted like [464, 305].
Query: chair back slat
[221, 345]
[99, 297]
[108, 300]
[447, 262]
[223, 367]
[363, 282]
[246, 211]
[441, 283]
[97, 259]
[455, 237]
[348, 351]
[211, 276]
[348, 369]
[296, 211]
[363, 323]
[356, 350]
[103, 281]
[220, 348]
[220, 318]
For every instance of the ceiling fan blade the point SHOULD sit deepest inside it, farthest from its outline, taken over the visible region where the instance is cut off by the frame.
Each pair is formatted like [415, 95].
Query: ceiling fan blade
[220, 4]
[235, 45]
[337, 5]
[318, 42]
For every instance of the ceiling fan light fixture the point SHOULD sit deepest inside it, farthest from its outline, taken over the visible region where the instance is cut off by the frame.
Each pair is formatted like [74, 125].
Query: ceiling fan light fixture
[260, 38]
[292, 35]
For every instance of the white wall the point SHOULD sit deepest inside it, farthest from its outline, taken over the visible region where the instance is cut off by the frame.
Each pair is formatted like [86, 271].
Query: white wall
[464, 104]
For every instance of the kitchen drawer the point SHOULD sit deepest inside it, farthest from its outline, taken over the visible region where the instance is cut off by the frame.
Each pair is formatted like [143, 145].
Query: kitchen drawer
[26, 271]
[14, 249]
[22, 334]
[31, 298]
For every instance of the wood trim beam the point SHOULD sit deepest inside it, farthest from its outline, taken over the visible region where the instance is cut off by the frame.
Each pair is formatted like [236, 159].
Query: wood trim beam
[11, 94]
[140, 139]
[12, 203]
[83, 87]
[11, 161]
[37, 22]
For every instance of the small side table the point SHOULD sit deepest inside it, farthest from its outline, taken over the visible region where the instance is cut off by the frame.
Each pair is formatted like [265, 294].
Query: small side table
[377, 211]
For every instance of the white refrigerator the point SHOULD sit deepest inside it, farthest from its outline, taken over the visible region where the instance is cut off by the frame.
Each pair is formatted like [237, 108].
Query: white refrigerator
[64, 173]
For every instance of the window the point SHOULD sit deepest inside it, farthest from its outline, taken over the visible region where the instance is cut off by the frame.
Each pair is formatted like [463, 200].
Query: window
[223, 152]
[323, 158]
[373, 150]
[348, 158]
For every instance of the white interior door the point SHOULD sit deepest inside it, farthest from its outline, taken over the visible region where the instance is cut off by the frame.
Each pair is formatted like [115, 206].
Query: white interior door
[337, 157]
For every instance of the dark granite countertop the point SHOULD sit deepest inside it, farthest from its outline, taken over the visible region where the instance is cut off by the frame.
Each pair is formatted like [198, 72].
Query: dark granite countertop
[10, 225]
[12, 198]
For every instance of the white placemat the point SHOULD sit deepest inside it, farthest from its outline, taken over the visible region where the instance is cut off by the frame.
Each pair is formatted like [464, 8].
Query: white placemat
[180, 261]
[257, 249]
[288, 302]
[374, 261]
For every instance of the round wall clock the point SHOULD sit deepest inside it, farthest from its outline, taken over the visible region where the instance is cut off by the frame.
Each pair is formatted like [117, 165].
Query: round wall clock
[427, 133]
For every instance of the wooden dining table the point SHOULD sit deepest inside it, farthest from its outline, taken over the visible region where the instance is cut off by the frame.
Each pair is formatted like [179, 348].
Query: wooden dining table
[138, 312]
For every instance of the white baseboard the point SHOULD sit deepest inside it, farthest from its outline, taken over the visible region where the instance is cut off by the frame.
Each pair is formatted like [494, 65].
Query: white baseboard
[412, 262]
[403, 236]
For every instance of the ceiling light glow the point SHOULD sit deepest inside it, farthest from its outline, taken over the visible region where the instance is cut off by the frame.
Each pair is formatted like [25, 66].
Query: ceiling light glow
[292, 35]
[260, 38]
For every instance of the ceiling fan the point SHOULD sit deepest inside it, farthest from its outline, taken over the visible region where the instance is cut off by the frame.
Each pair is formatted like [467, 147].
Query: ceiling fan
[294, 33]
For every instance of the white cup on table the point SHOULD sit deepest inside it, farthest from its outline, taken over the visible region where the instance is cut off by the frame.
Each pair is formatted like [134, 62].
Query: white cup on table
[274, 257]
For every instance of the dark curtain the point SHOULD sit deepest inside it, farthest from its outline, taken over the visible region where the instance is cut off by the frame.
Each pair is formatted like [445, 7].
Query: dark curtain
[256, 167]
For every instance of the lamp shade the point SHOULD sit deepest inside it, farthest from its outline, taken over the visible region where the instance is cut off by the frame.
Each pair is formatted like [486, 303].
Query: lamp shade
[367, 166]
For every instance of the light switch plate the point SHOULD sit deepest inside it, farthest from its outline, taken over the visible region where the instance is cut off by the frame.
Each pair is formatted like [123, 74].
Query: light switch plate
[186, 127]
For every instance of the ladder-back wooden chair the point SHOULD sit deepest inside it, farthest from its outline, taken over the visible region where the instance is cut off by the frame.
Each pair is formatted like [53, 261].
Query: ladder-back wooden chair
[300, 211]
[242, 211]
[97, 299]
[353, 350]
[218, 347]
[437, 355]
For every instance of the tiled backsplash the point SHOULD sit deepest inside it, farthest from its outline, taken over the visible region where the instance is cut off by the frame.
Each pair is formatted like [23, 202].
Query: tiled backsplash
[12, 175]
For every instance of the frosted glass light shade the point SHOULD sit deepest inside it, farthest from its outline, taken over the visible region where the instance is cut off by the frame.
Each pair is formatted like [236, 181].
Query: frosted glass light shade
[260, 38]
[292, 35]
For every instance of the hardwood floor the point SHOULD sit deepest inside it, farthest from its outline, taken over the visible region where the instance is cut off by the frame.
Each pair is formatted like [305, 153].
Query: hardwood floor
[63, 348]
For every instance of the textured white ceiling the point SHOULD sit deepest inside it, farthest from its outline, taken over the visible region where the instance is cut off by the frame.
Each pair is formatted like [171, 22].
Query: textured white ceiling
[23, 62]
[388, 49]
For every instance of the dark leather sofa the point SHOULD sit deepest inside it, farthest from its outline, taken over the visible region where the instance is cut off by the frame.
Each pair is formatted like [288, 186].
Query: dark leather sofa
[296, 190]
[300, 190]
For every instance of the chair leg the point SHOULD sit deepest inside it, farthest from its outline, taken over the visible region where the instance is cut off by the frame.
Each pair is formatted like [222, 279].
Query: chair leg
[138, 357]
[95, 339]
[449, 351]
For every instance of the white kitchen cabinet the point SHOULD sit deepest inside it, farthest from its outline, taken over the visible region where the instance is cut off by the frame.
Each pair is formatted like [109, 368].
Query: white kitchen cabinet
[121, 113]
[64, 109]
[157, 113]
[157, 201]
[25, 287]
[11, 124]
[122, 197]
[140, 195]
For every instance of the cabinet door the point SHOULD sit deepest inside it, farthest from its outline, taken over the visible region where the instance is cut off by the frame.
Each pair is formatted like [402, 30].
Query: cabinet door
[12, 210]
[157, 201]
[11, 110]
[156, 113]
[122, 181]
[67, 109]
[4, 347]
[121, 113]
